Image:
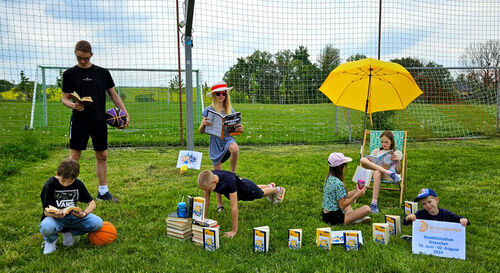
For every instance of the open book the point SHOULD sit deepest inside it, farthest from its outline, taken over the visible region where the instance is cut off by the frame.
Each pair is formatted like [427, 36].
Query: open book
[81, 100]
[363, 174]
[66, 210]
[223, 126]
[383, 160]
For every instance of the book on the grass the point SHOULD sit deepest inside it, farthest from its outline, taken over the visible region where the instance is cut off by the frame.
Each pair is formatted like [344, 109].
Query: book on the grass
[323, 238]
[189, 206]
[172, 217]
[199, 208]
[337, 236]
[211, 238]
[383, 159]
[261, 239]
[223, 126]
[81, 100]
[410, 207]
[295, 238]
[179, 233]
[394, 222]
[381, 233]
[363, 174]
[351, 240]
[65, 210]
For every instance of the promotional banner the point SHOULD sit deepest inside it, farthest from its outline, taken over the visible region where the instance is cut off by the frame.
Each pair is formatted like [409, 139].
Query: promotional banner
[443, 239]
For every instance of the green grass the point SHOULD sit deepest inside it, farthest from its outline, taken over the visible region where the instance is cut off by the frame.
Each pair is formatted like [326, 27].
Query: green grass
[158, 124]
[465, 175]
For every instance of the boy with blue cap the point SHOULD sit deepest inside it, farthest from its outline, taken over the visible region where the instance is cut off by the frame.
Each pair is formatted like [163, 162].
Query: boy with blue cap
[429, 201]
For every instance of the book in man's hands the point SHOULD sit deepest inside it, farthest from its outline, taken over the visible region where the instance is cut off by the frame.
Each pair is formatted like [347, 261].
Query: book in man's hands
[223, 126]
[363, 174]
[81, 100]
[66, 210]
[383, 160]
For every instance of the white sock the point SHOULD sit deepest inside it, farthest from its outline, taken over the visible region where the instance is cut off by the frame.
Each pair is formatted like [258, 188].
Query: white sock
[103, 189]
[374, 201]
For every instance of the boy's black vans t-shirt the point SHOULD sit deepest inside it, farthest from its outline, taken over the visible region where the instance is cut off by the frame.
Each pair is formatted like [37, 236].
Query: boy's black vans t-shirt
[229, 182]
[59, 196]
[88, 82]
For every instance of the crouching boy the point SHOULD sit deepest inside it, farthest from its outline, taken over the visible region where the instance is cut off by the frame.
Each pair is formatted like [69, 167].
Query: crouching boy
[235, 189]
[62, 191]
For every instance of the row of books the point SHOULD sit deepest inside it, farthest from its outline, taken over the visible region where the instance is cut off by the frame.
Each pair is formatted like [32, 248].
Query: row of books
[178, 228]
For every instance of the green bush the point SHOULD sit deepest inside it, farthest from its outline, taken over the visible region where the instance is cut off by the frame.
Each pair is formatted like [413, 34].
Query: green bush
[14, 155]
[382, 120]
[144, 98]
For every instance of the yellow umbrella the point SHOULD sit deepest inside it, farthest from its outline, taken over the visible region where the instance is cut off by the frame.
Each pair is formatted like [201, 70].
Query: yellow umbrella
[370, 85]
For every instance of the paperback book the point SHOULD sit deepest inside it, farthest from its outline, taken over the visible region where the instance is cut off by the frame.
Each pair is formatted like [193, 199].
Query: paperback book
[410, 207]
[211, 238]
[223, 126]
[363, 174]
[323, 238]
[261, 239]
[381, 233]
[394, 222]
[337, 236]
[351, 241]
[199, 208]
[294, 238]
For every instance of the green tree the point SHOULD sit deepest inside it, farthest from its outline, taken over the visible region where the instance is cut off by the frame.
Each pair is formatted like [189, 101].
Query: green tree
[25, 88]
[328, 59]
[5, 85]
[356, 57]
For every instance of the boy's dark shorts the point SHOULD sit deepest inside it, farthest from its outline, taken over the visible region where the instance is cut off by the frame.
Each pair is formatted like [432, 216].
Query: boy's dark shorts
[80, 131]
[226, 156]
[254, 192]
[334, 217]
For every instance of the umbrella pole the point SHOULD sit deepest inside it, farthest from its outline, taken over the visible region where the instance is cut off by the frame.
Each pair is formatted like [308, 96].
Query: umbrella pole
[366, 111]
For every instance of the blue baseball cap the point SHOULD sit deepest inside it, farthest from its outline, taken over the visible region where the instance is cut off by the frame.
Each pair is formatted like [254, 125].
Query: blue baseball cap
[424, 193]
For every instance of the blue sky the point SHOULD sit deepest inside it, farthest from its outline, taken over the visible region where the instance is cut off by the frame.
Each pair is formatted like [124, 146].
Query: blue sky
[142, 33]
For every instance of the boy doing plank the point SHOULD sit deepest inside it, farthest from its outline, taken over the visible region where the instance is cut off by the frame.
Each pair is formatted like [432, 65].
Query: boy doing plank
[236, 188]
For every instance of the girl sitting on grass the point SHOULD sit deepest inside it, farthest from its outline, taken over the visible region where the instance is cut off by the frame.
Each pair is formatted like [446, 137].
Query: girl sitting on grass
[336, 200]
[387, 172]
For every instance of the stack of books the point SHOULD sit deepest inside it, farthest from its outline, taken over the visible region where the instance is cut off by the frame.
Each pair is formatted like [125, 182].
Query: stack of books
[197, 228]
[178, 228]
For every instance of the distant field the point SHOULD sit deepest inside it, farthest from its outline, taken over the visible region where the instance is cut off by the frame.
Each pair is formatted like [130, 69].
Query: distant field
[157, 123]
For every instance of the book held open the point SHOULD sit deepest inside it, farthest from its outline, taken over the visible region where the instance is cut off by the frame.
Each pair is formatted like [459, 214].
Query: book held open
[222, 126]
[363, 174]
[66, 210]
[81, 100]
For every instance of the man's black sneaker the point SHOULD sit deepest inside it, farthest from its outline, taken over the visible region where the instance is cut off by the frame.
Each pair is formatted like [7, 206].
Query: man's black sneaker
[107, 197]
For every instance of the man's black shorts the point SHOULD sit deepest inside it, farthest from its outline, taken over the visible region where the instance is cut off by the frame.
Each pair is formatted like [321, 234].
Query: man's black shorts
[80, 131]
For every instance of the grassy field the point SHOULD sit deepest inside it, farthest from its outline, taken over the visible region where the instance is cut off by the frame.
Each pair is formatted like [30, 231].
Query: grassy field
[465, 175]
[158, 124]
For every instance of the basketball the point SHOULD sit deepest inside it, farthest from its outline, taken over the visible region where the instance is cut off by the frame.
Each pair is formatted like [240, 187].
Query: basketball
[115, 117]
[105, 235]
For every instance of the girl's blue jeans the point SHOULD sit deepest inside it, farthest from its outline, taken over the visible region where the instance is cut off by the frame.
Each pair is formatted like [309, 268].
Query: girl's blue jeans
[50, 226]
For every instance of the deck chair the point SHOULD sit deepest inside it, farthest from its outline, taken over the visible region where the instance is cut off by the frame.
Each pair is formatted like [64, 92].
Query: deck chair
[400, 142]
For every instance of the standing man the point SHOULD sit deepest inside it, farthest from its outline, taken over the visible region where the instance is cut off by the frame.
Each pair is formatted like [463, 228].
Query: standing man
[88, 79]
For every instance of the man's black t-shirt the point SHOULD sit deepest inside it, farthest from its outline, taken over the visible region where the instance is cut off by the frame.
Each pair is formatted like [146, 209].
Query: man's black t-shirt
[93, 82]
[229, 182]
[59, 196]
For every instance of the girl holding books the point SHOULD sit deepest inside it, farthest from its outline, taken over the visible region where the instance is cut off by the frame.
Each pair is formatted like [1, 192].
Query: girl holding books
[220, 150]
[386, 171]
[337, 200]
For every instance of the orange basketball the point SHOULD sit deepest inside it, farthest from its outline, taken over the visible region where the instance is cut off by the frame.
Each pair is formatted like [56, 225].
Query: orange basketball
[105, 235]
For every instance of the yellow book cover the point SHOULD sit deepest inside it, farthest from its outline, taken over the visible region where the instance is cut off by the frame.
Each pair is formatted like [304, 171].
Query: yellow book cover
[199, 210]
[323, 238]
[261, 239]
[381, 233]
[394, 222]
[294, 238]
[410, 207]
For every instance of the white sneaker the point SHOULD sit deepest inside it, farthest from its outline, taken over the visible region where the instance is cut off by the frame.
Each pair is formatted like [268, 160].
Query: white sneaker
[49, 247]
[363, 220]
[68, 239]
[279, 195]
[270, 198]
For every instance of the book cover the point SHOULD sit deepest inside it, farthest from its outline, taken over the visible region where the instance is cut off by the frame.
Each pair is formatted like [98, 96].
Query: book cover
[337, 236]
[261, 239]
[410, 207]
[199, 208]
[394, 222]
[383, 160]
[205, 222]
[189, 206]
[81, 100]
[210, 238]
[221, 126]
[323, 238]
[364, 174]
[191, 159]
[351, 241]
[294, 238]
[381, 233]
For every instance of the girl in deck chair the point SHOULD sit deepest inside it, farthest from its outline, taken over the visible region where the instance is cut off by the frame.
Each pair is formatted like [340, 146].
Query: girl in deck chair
[385, 171]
